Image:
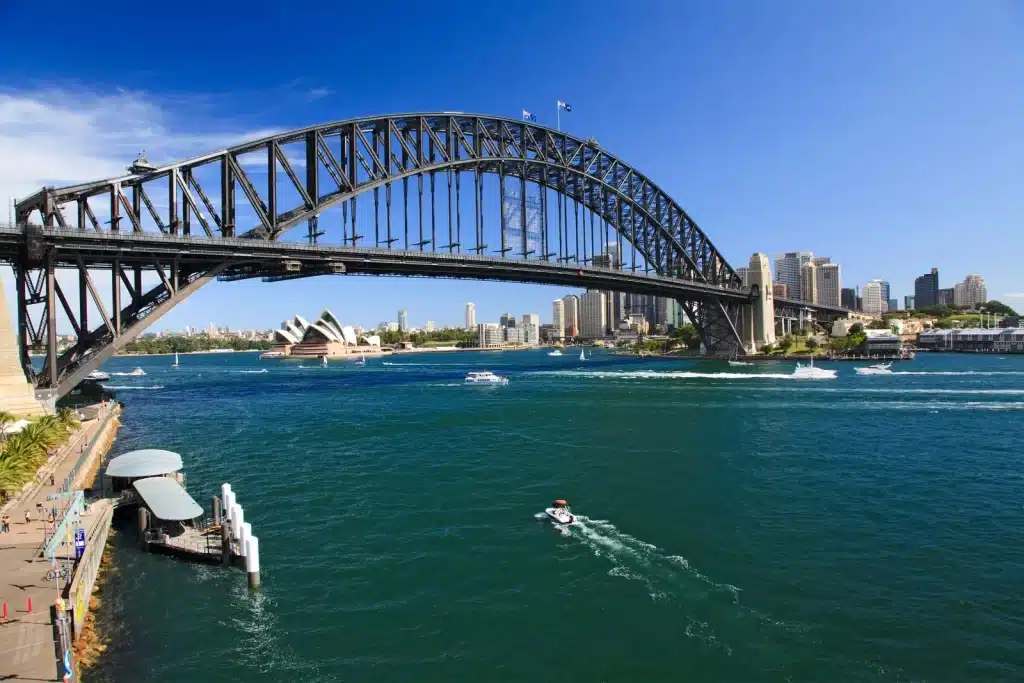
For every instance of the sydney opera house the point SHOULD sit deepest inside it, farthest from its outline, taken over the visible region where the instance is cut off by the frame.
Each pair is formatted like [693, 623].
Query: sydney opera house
[324, 337]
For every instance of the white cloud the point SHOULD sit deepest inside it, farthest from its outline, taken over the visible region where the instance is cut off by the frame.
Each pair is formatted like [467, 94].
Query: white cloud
[1018, 296]
[318, 93]
[59, 137]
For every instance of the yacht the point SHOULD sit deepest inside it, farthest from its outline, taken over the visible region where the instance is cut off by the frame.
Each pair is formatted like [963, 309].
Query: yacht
[877, 369]
[810, 372]
[175, 360]
[556, 352]
[485, 377]
[98, 376]
[270, 355]
[560, 512]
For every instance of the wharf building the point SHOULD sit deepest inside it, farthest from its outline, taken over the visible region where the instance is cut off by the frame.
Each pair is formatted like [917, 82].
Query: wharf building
[324, 337]
[974, 340]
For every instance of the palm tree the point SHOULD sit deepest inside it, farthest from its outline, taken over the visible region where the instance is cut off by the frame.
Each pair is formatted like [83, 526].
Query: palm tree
[6, 420]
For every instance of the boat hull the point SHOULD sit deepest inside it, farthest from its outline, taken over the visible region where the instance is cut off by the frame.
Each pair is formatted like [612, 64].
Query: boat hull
[560, 516]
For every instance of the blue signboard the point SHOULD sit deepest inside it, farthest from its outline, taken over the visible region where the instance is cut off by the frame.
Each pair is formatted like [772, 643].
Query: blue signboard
[79, 543]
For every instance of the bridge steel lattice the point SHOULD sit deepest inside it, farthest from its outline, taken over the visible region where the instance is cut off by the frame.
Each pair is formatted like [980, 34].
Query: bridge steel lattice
[223, 215]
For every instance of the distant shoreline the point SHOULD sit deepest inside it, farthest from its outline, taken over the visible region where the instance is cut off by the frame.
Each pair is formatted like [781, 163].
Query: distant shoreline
[188, 353]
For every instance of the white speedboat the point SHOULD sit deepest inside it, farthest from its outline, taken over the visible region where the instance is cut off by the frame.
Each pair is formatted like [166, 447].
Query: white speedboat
[98, 376]
[137, 372]
[810, 372]
[485, 377]
[556, 352]
[877, 369]
[739, 363]
[560, 512]
[270, 355]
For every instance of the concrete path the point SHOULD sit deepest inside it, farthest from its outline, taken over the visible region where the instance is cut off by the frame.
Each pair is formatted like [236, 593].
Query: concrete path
[26, 639]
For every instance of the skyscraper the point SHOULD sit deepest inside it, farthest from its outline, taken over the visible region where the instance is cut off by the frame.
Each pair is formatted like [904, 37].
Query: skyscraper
[908, 303]
[531, 325]
[788, 270]
[872, 298]
[926, 290]
[507, 320]
[827, 284]
[470, 316]
[849, 298]
[403, 320]
[884, 284]
[593, 309]
[892, 305]
[558, 319]
[809, 283]
[971, 292]
[572, 315]
[615, 302]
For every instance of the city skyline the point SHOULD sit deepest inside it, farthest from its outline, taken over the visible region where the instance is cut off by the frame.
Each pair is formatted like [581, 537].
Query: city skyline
[857, 90]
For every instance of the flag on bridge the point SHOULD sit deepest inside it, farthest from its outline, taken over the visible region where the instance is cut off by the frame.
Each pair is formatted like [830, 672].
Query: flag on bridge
[527, 116]
[564, 105]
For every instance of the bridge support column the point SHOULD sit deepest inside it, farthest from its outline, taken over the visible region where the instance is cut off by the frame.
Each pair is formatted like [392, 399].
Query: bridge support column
[718, 325]
[759, 316]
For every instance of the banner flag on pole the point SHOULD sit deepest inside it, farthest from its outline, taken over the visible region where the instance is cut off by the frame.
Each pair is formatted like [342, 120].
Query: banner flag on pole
[564, 105]
[527, 116]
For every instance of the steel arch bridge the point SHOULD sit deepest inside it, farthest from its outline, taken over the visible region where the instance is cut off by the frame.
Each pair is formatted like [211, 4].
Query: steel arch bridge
[225, 214]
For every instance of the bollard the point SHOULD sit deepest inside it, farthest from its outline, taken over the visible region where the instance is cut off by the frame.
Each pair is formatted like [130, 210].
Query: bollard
[237, 518]
[252, 562]
[245, 536]
[215, 506]
[28, 605]
[225, 544]
[229, 505]
[4, 614]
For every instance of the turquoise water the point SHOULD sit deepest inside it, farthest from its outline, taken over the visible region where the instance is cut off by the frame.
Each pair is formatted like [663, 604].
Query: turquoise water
[733, 526]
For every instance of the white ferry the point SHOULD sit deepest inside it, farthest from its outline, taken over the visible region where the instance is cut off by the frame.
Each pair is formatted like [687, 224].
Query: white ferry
[485, 377]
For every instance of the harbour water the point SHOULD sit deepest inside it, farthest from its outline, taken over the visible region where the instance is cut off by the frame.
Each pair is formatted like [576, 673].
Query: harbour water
[734, 524]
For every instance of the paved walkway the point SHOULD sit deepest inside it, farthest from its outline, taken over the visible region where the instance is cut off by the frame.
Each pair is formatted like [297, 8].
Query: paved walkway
[26, 639]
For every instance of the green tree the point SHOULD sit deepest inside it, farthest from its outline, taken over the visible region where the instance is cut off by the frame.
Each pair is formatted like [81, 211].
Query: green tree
[878, 325]
[786, 343]
[687, 335]
[812, 343]
[856, 328]
[999, 308]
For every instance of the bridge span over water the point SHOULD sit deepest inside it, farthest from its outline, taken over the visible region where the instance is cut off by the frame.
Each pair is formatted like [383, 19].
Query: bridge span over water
[434, 195]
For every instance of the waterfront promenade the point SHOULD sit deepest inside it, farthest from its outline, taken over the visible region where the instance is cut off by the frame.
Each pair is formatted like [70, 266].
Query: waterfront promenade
[26, 639]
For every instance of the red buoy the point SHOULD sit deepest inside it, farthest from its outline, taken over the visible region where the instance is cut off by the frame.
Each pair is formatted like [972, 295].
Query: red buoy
[560, 503]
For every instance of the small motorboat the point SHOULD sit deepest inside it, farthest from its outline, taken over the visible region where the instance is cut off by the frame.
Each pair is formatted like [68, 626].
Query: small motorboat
[271, 355]
[560, 512]
[739, 363]
[485, 377]
[811, 372]
[877, 369]
[556, 352]
[137, 372]
[98, 376]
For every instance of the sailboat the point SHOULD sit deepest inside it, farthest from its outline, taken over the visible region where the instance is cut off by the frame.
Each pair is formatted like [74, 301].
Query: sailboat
[323, 360]
[583, 354]
[362, 360]
[175, 360]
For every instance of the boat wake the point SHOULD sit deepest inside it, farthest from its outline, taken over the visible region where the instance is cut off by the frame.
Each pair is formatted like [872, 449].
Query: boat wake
[667, 374]
[666, 578]
[252, 372]
[123, 387]
[957, 373]
[133, 373]
[417, 365]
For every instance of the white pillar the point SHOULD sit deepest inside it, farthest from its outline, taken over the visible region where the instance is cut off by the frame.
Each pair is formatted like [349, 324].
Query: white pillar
[252, 562]
[237, 518]
[245, 536]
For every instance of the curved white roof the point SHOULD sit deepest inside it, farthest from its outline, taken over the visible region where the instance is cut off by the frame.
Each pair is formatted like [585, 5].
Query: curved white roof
[150, 462]
[348, 334]
[167, 500]
[372, 340]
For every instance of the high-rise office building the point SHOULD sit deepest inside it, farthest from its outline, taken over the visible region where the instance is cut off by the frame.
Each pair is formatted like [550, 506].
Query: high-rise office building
[849, 298]
[944, 297]
[558, 319]
[742, 272]
[884, 284]
[892, 305]
[593, 308]
[780, 289]
[971, 292]
[615, 302]
[827, 284]
[809, 283]
[489, 334]
[872, 297]
[788, 271]
[926, 290]
[908, 303]
[531, 326]
[507, 320]
[572, 315]
[470, 316]
[403, 320]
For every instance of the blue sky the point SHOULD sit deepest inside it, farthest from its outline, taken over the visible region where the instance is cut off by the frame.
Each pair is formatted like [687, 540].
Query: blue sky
[889, 136]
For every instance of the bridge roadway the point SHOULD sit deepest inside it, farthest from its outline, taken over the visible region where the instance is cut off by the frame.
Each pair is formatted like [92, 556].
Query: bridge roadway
[272, 258]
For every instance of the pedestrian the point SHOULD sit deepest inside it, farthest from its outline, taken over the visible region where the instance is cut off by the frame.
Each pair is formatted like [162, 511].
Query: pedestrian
[28, 517]
[51, 478]
[5, 524]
